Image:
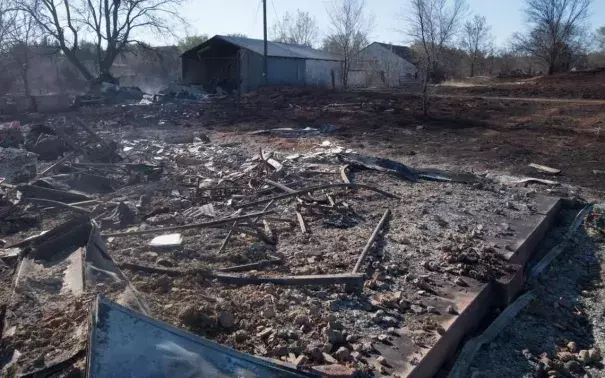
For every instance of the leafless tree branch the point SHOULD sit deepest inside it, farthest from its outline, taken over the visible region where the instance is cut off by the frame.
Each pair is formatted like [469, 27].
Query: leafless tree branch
[434, 24]
[114, 24]
[476, 40]
[557, 30]
[301, 29]
[350, 27]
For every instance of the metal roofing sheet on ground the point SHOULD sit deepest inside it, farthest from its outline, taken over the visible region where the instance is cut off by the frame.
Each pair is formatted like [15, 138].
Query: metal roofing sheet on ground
[125, 343]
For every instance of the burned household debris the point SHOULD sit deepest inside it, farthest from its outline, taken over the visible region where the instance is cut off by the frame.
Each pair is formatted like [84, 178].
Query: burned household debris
[240, 259]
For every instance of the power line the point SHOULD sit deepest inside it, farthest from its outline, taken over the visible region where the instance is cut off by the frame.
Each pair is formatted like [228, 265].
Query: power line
[256, 15]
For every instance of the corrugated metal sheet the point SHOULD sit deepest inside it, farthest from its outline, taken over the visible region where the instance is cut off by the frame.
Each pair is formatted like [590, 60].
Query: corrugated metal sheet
[286, 71]
[124, 343]
[318, 73]
[274, 49]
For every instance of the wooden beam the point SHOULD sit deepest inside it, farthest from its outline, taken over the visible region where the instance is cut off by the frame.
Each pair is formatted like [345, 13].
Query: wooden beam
[279, 186]
[343, 174]
[314, 189]
[301, 222]
[58, 204]
[371, 240]
[327, 279]
[251, 266]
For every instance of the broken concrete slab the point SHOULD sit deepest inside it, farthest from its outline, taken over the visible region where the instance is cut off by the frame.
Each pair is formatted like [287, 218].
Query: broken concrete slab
[167, 241]
[413, 359]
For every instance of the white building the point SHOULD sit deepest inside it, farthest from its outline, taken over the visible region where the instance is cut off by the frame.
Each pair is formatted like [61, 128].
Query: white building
[384, 65]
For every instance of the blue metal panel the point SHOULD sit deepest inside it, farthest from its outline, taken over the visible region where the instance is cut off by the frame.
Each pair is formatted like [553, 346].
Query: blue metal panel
[286, 71]
[124, 343]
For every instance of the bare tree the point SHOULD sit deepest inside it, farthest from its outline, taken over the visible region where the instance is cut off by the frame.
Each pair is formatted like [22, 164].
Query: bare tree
[349, 34]
[6, 26]
[476, 40]
[301, 29]
[557, 30]
[600, 38]
[433, 23]
[114, 25]
[23, 39]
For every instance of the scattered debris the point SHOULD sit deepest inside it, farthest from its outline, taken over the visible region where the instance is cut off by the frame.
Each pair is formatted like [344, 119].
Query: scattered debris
[355, 280]
[196, 212]
[296, 133]
[166, 241]
[314, 189]
[379, 164]
[471, 348]
[543, 168]
[112, 349]
[269, 290]
[11, 134]
[530, 180]
[17, 166]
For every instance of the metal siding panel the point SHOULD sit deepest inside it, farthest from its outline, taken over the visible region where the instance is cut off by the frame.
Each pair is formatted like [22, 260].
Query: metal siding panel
[318, 73]
[285, 71]
[376, 58]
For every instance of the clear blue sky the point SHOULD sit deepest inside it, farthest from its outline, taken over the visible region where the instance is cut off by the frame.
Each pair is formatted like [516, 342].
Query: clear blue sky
[245, 16]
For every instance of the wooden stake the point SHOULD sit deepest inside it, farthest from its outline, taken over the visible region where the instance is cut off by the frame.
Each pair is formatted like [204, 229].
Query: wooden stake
[371, 240]
[301, 222]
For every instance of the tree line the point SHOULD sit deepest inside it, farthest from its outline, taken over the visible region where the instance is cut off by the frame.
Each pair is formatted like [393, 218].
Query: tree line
[448, 40]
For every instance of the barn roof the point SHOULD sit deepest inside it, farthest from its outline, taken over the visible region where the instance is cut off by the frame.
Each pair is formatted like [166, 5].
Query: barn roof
[274, 49]
[402, 51]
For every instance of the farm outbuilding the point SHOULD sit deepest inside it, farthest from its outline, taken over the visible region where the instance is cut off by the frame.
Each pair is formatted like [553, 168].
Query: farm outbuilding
[235, 62]
[384, 65]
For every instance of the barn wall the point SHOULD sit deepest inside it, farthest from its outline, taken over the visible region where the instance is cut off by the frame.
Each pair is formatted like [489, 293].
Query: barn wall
[286, 71]
[246, 68]
[319, 73]
[251, 68]
[192, 71]
[282, 71]
[378, 66]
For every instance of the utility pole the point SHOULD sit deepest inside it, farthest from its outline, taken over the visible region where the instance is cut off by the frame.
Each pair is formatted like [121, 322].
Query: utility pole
[265, 65]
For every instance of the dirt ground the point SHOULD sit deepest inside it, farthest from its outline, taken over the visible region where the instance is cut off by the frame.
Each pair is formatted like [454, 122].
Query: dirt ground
[436, 233]
[587, 84]
[472, 135]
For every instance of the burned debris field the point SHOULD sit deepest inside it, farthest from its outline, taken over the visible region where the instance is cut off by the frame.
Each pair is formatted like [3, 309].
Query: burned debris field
[331, 233]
